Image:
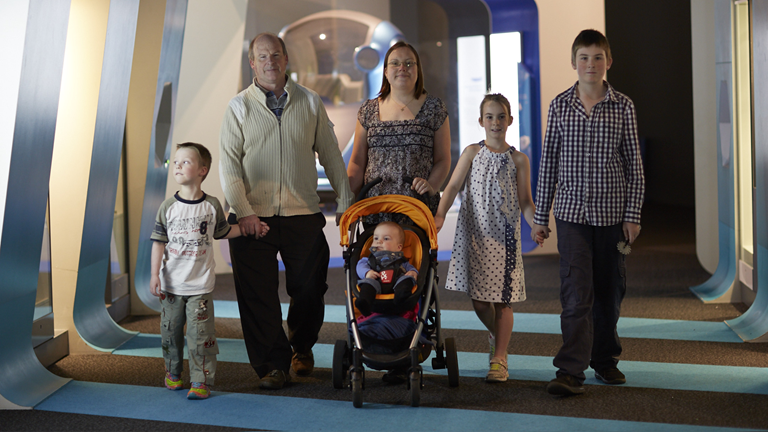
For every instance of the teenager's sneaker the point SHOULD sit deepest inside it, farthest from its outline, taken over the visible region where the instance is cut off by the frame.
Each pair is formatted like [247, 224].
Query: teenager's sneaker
[173, 382]
[492, 343]
[565, 385]
[611, 375]
[198, 391]
[275, 380]
[303, 363]
[497, 372]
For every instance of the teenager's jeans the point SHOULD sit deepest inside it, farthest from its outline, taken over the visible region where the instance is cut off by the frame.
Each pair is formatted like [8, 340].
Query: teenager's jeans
[197, 311]
[592, 287]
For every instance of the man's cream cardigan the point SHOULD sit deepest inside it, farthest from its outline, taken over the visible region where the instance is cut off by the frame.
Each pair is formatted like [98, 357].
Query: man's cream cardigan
[268, 166]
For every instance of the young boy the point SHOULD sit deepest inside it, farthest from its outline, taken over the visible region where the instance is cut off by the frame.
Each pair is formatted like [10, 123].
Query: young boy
[386, 265]
[591, 166]
[183, 271]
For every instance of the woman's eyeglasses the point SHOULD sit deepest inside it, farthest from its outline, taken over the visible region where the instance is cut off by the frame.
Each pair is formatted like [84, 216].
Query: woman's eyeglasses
[408, 63]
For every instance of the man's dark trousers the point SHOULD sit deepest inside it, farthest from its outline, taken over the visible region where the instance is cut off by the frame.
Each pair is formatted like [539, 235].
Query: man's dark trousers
[305, 254]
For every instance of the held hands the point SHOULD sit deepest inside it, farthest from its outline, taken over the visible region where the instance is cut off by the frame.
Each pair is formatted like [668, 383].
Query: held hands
[252, 225]
[539, 233]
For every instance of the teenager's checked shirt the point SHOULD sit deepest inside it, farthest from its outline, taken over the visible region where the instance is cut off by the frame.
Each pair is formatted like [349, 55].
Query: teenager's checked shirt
[591, 166]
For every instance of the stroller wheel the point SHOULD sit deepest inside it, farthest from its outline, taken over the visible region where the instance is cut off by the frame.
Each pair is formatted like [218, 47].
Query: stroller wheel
[452, 362]
[357, 389]
[414, 382]
[340, 363]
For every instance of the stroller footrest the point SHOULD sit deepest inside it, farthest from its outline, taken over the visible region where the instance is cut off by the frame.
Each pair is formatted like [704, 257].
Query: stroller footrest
[387, 361]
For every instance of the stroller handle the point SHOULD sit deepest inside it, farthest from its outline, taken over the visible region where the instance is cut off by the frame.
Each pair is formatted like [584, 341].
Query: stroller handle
[366, 187]
[423, 197]
[406, 179]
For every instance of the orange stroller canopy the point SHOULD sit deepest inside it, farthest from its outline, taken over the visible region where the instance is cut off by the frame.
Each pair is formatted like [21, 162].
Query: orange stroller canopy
[411, 207]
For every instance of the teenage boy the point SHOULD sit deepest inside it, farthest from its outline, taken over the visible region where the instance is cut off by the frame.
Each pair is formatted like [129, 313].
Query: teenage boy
[591, 166]
[183, 271]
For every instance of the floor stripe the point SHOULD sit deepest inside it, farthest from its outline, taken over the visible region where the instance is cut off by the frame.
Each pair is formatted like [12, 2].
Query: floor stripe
[287, 413]
[642, 328]
[670, 376]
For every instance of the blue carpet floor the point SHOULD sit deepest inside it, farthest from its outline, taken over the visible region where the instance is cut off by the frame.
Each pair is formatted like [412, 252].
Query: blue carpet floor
[285, 413]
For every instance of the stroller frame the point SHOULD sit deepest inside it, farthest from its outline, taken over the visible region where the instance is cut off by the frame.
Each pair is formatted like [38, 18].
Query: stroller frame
[349, 355]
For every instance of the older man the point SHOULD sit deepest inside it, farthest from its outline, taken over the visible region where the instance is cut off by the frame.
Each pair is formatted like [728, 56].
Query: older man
[269, 137]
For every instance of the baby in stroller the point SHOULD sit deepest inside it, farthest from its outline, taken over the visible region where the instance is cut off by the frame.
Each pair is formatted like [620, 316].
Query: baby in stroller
[386, 269]
[394, 337]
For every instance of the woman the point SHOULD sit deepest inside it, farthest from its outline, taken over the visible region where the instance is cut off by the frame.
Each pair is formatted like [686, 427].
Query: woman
[402, 133]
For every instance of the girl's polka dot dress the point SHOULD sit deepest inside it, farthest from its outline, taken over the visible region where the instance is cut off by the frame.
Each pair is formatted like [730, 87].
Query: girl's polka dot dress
[487, 262]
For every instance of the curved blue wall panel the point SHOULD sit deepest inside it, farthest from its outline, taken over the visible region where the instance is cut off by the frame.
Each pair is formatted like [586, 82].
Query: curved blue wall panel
[93, 322]
[25, 381]
[725, 275]
[754, 323]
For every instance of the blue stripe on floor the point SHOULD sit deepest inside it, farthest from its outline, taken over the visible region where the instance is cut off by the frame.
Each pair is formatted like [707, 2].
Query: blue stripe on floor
[671, 376]
[643, 328]
[252, 411]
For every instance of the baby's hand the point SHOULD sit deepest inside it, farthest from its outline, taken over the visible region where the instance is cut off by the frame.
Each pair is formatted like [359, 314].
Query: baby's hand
[412, 274]
[372, 274]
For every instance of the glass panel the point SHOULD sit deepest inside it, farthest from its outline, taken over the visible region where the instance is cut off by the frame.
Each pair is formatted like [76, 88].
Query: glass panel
[506, 55]
[322, 55]
[743, 130]
[472, 84]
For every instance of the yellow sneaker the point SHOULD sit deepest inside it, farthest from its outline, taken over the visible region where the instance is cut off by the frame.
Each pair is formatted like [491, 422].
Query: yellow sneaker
[199, 391]
[172, 382]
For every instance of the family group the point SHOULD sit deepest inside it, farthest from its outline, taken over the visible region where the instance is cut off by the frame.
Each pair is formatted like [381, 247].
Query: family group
[271, 135]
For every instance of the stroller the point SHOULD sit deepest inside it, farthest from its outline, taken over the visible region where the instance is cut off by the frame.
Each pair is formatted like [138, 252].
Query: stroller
[410, 349]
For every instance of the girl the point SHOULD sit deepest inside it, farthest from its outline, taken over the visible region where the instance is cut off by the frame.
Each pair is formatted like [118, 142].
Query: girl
[486, 262]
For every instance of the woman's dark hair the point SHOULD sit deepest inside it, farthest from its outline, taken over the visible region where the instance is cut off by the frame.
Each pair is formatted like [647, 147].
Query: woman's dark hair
[386, 89]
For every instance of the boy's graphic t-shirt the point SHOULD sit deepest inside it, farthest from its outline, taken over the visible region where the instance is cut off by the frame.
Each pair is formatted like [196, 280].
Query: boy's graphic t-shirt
[189, 228]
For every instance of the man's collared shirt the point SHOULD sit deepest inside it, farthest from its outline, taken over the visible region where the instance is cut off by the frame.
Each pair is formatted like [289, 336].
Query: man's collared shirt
[275, 104]
[591, 165]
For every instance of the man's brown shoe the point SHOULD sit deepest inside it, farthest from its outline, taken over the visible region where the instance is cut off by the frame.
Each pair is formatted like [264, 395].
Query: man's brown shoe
[303, 364]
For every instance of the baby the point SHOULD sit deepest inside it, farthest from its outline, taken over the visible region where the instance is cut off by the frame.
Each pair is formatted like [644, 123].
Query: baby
[386, 266]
